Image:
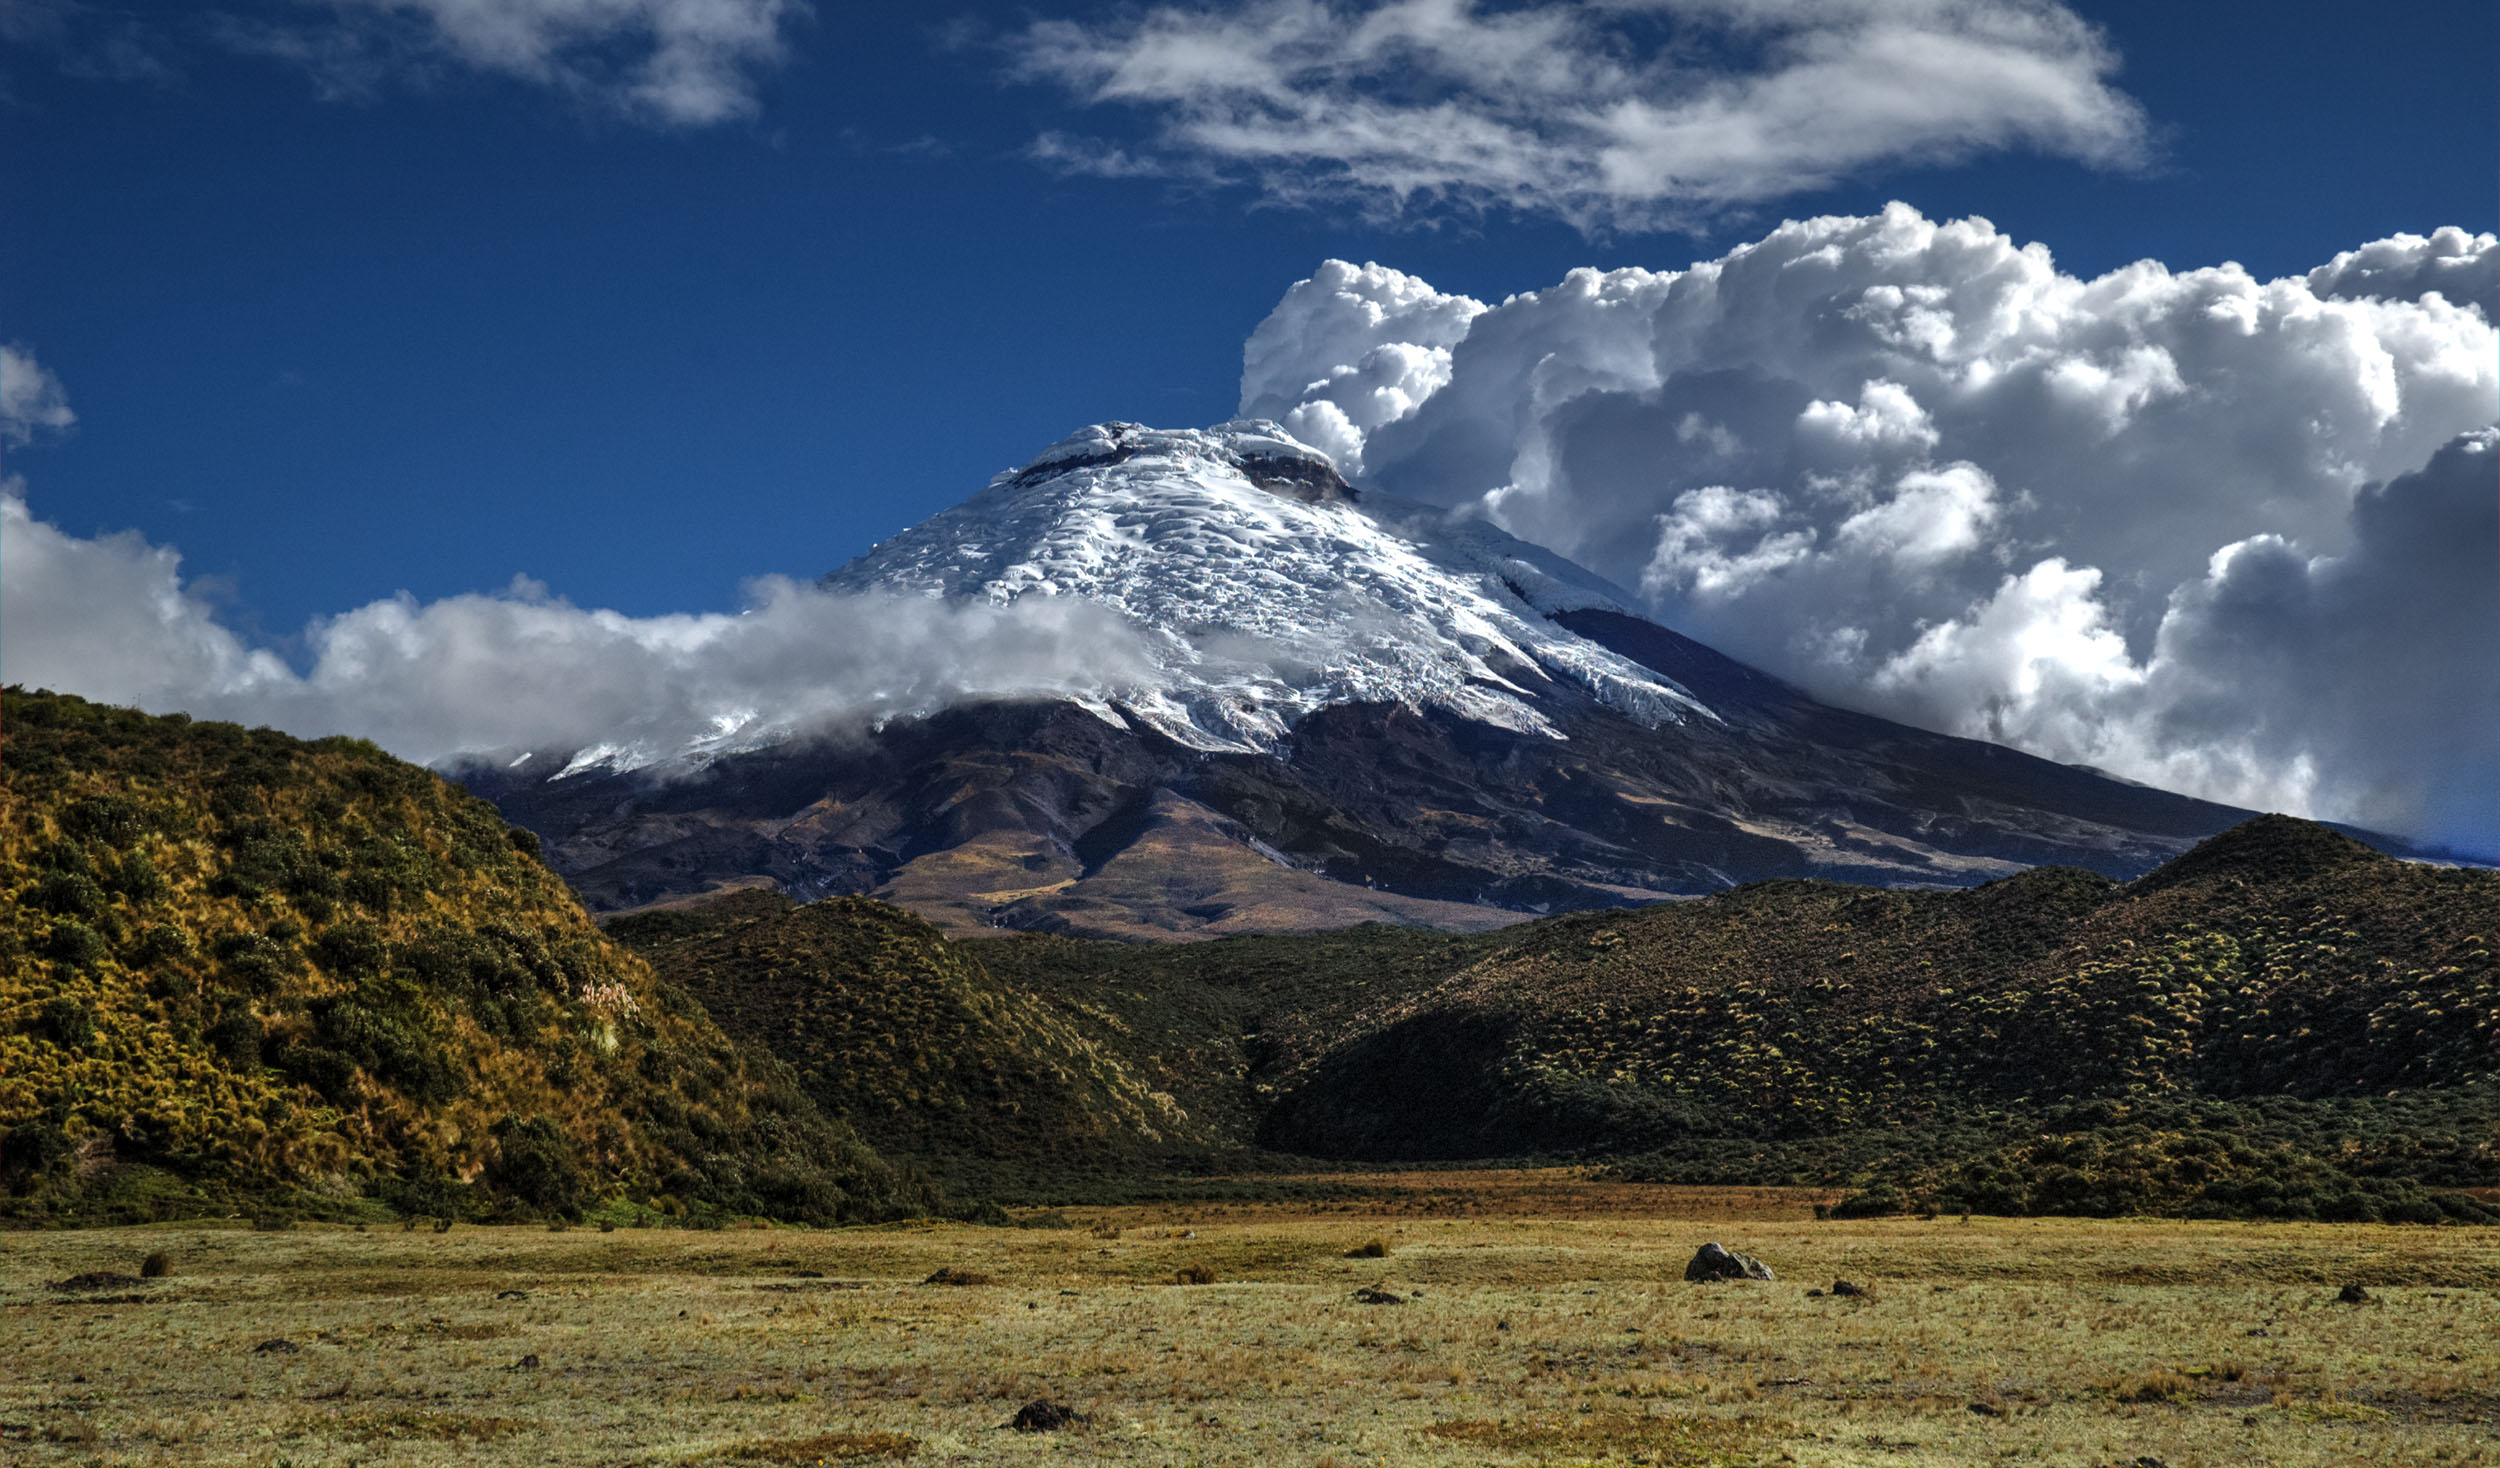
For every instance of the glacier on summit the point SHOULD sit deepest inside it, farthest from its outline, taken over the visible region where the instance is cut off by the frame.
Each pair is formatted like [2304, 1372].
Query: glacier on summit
[1267, 590]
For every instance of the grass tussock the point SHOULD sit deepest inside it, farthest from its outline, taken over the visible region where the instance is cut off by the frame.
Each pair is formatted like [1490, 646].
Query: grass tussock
[411, 1425]
[2162, 1385]
[824, 1447]
[950, 1275]
[1680, 1441]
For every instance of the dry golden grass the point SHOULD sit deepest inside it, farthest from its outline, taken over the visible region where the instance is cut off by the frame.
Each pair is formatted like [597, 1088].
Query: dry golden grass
[1544, 1321]
[825, 1447]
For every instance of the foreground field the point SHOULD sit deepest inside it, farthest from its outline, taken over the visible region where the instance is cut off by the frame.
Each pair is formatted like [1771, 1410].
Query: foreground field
[1542, 1320]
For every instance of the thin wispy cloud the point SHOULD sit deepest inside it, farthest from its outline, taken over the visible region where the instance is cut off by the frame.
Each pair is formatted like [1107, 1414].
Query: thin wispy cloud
[1625, 115]
[31, 399]
[89, 41]
[666, 63]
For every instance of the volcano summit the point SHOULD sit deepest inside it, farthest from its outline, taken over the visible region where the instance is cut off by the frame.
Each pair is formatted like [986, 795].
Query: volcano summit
[1355, 709]
[1268, 590]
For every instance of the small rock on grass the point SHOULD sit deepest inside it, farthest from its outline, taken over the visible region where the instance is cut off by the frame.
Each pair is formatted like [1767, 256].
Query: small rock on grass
[276, 1345]
[1846, 1290]
[1374, 1295]
[1717, 1261]
[2353, 1294]
[1045, 1415]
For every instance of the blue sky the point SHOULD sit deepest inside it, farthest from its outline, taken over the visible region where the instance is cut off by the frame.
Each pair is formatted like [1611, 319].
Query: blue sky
[438, 334]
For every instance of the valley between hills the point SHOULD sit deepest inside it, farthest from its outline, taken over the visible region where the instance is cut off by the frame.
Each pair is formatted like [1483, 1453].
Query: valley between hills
[352, 1103]
[249, 973]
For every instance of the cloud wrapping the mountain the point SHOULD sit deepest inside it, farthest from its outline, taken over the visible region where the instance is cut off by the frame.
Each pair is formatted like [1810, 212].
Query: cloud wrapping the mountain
[671, 63]
[110, 619]
[1914, 467]
[1635, 114]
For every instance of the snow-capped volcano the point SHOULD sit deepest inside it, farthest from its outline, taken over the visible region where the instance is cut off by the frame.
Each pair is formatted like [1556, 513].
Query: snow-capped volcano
[1268, 589]
[1345, 710]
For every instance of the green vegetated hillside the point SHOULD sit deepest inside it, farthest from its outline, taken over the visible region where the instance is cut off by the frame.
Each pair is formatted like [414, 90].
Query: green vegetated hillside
[2281, 1023]
[1033, 1068]
[243, 972]
[908, 1037]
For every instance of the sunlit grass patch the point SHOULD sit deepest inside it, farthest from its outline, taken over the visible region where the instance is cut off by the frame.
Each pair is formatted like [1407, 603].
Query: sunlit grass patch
[824, 1447]
[452, 1330]
[1669, 1442]
[2332, 1408]
[2152, 1386]
[1522, 1338]
[409, 1424]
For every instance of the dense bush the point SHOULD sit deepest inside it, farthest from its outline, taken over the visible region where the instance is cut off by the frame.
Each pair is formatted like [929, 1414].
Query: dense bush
[534, 1164]
[2131, 1168]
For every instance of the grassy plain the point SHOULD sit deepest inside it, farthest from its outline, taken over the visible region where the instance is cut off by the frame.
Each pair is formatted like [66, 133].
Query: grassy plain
[1544, 1319]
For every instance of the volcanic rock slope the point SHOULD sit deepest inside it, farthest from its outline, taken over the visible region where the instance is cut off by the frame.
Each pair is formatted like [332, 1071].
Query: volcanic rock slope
[1357, 710]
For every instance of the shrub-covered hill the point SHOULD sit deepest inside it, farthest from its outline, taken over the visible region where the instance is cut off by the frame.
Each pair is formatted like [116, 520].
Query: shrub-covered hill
[906, 1036]
[2282, 1022]
[242, 971]
[2280, 984]
[1035, 1067]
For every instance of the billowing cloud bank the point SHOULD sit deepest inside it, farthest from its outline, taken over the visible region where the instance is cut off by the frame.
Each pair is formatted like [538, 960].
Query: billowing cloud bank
[1635, 114]
[2232, 536]
[110, 619]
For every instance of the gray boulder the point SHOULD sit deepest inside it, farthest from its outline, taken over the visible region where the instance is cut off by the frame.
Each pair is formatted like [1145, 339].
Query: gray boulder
[1717, 1261]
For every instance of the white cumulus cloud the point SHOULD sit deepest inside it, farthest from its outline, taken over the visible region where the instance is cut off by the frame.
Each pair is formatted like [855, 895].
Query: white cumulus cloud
[111, 619]
[1916, 468]
[1635, 114]
[2407, 267]
[1387, 337]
